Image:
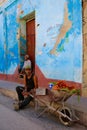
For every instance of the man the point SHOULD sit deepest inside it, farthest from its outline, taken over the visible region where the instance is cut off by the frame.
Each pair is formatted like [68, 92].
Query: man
[27, 62]
[31, 84]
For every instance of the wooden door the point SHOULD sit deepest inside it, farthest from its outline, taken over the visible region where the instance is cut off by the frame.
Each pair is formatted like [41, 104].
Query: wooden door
[30, 30]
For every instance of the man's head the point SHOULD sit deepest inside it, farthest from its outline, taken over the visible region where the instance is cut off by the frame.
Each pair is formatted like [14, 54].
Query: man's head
[28, 70]
[26, 57]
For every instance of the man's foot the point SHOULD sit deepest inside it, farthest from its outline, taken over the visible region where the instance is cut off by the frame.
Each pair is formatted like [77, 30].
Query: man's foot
[16, 106]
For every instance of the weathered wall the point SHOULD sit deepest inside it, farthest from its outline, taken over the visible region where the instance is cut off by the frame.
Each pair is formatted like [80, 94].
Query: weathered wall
[58, 38]
[9, 43]
[85, 47]
[2, 2]
[59, 41]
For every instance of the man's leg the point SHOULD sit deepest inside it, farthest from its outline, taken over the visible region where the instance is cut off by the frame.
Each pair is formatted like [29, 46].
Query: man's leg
[25, 102]
[19, 91]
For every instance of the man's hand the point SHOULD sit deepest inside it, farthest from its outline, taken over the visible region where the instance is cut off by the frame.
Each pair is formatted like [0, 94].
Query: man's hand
[21, 76]
[32, 91]
[25, 93]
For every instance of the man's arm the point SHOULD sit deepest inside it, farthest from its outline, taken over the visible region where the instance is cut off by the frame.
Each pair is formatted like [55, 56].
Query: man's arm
[33, 91]
[25, 93]
[25, 82]
[35, 82]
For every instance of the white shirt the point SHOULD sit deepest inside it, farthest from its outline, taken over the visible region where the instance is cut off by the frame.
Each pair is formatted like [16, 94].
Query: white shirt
[27, 63]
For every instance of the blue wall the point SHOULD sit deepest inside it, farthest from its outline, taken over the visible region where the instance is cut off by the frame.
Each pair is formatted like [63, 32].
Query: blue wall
[9, 43]
[58, 37]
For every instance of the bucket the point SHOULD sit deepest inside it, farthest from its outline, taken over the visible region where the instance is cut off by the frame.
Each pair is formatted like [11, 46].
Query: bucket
[51, 85]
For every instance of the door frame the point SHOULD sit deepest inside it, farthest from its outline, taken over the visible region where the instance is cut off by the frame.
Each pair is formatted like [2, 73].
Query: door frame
[29, 16]
[30, 27]
[22, 33]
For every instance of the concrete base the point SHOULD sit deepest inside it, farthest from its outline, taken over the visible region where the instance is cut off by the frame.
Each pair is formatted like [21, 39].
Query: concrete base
[84, 91]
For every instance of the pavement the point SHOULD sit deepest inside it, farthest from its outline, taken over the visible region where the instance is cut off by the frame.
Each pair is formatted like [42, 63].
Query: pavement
[11, 120]
[80, 106]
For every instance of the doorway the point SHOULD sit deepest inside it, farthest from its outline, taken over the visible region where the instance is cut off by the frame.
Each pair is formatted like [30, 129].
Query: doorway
[30, 37]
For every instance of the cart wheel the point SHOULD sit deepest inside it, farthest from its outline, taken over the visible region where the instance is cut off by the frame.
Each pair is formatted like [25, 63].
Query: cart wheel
[64, 120]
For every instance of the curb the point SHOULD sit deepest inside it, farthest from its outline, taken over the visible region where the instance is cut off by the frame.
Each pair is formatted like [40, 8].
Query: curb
[9, 93]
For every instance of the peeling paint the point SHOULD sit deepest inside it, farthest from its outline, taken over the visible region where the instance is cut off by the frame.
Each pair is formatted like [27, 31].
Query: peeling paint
[55, 38]
[2, 2]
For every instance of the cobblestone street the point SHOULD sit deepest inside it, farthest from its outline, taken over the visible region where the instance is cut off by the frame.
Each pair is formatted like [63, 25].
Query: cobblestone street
[47, 121]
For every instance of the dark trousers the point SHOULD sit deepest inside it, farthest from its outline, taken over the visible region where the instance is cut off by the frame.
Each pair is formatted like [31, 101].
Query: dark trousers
[19, 90]
[25, 101]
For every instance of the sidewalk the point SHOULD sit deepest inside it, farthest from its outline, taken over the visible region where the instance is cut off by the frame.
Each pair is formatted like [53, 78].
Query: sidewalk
[8, 89]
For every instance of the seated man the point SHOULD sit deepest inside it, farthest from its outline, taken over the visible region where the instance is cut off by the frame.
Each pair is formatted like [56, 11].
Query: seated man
[31, 83]
[27, 62]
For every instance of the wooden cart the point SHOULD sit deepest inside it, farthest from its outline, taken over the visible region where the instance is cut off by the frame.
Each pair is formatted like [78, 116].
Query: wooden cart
[56, 105]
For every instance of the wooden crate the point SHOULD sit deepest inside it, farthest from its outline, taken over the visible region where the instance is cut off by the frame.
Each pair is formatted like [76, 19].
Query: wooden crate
[41, 91]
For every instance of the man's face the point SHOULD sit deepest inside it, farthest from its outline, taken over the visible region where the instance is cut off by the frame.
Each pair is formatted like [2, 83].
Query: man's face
[28, 71]
[26, 58]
